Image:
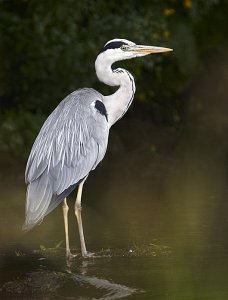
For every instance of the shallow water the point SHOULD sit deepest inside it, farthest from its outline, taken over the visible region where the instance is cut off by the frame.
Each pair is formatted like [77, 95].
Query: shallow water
[150, 241]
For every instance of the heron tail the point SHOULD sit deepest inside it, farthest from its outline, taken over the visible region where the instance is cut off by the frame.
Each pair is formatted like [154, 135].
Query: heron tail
[39, 195]
[40, 201]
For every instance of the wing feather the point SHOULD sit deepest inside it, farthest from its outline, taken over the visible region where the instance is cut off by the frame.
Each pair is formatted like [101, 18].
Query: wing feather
[71, 143]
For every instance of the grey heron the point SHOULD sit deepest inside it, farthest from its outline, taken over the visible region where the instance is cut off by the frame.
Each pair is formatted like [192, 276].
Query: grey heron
[73, 140]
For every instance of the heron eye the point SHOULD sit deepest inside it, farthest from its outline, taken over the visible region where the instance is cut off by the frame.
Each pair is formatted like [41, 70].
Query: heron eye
[124, 47]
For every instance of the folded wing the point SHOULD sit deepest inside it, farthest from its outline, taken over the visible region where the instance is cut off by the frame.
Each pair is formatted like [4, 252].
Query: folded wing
[71, 143]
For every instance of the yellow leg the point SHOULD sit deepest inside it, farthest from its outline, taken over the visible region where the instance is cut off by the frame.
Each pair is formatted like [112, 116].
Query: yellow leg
[65, 217]
[78, 210]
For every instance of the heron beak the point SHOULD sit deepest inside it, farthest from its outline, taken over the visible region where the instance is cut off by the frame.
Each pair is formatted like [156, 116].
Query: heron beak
[141, 49]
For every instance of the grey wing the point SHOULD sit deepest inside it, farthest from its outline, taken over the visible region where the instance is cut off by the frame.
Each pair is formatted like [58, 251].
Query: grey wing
[71, 143]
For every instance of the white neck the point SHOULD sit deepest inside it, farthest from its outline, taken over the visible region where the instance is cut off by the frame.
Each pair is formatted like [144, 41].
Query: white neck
[118, 103]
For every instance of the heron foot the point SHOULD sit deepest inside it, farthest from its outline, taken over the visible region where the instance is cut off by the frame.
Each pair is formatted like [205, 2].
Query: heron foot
[69, 255]
[88, 254]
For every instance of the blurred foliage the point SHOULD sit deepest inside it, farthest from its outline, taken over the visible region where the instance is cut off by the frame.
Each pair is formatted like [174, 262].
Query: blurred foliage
[48, 49]
[17, 132]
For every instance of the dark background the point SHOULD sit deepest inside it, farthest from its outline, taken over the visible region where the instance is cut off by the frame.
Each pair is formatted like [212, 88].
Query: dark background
[48, 49]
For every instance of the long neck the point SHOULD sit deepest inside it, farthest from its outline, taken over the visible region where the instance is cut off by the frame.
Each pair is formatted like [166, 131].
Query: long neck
[118, 103]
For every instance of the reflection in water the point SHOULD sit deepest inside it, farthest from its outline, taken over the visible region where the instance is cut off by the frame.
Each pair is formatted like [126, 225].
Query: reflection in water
[55, 283]
[113, 290]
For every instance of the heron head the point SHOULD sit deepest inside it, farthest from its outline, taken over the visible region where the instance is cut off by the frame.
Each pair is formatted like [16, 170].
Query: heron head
[121, 49]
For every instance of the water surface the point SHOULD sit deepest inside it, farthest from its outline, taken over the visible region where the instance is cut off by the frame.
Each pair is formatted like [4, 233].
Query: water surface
[160, 240]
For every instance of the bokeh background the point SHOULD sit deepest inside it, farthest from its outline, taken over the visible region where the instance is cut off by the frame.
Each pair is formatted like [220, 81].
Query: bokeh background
[163, 182]
[48, 49]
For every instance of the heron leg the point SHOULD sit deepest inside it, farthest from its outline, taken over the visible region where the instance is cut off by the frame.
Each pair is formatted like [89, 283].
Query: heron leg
[65, 217]
[78, 210]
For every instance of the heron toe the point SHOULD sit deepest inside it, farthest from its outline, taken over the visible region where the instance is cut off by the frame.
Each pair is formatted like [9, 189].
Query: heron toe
[88, 254]
[70, 256]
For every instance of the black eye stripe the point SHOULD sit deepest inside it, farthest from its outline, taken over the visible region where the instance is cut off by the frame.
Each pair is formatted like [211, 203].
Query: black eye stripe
[113, 45]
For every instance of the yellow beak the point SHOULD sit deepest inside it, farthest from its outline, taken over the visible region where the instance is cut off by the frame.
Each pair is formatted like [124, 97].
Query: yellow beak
[141, 49]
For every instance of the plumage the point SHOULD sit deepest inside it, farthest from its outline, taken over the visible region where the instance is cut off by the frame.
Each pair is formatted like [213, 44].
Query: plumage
[71, 143]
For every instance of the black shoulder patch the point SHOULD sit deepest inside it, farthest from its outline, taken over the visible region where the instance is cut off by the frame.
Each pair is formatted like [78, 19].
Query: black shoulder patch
[101, 109]
[112, 45]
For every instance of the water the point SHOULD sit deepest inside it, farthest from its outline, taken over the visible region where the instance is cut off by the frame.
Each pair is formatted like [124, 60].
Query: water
[165, 239]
